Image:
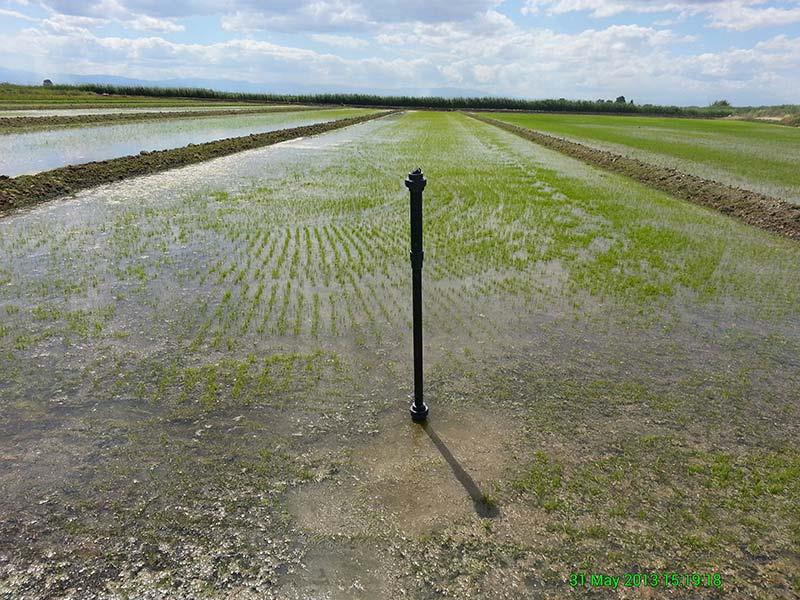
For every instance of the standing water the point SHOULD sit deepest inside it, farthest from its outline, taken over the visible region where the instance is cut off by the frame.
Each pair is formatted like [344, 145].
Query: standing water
[33, 152]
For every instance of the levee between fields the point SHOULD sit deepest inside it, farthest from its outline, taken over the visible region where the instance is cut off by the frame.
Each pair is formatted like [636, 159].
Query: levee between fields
[759, 210]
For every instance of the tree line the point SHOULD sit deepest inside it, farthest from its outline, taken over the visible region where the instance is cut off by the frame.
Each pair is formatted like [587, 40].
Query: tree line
[437, 102]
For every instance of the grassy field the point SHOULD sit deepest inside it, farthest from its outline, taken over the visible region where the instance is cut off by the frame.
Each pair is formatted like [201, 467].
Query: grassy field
[26, 97]
[757, 156]
[207, 375]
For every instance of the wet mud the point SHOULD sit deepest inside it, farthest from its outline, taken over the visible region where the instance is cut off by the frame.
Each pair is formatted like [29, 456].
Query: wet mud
[759, 210]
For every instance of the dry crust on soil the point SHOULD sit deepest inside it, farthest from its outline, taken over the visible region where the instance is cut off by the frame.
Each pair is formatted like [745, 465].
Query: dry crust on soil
[753, 208]
[26, 190]
[13, 123]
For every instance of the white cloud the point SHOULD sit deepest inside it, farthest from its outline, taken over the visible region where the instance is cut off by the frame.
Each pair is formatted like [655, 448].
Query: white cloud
[67, 13]
[244, 59]
[739, 15]
[601, 8]
[339, 41]
[147, 23]
[319, 16]
[471, 45]
[287, 15]
[70, 24]
[16, 15]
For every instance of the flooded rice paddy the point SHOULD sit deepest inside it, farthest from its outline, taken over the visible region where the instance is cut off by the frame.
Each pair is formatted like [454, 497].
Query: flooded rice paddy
[33, 152]
[206, 375]
[75, 112]
[755, 156]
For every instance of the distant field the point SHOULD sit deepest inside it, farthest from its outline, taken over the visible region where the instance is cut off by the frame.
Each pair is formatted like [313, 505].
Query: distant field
[18, 96]
[787, 114]
[36, 151]
[758, 156]
[123, 110]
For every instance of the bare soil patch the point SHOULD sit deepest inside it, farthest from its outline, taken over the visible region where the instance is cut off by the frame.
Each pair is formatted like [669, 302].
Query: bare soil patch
[771, 214]
[407, 483]
[414, 478]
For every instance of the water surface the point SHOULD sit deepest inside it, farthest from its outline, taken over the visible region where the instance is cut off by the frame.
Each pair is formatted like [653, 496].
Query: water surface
[76, 112]
[33, 152]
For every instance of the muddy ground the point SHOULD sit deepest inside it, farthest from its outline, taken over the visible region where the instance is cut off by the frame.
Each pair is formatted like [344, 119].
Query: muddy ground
[753, 208]
[26, 190]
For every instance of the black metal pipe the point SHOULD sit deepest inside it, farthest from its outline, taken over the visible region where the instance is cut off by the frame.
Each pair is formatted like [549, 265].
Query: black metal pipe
[415, 184]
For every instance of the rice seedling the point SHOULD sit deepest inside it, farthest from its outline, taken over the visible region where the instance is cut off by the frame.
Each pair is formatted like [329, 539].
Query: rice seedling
[266, 345]
[758, 156]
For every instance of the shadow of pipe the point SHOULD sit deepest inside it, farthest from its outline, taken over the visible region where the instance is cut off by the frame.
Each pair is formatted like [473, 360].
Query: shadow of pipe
[484, 505]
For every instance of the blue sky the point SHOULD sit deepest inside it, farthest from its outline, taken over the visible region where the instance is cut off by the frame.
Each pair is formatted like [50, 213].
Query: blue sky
[660, 51]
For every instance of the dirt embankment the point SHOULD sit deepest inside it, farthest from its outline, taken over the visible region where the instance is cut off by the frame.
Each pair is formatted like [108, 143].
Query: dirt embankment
[787, 120]
[13, 124]
[753, 208]
[30, 189]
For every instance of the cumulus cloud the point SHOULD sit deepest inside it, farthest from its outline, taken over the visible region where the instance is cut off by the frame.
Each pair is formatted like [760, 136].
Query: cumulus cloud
[94, 14]
[71, 24]
[318, 16]
[737, 15]
[245, 59]
[14, 14]
[475, 44]
[286, 15]
[741, 16]
[148, 23]
[343, 16]
[339, 41]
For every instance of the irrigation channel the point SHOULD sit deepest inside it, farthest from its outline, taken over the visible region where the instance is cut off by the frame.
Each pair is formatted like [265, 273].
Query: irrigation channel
[33, 152]
[206, 377]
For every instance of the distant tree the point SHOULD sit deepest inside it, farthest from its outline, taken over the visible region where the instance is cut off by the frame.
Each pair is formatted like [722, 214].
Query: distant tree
[631, 102]
[47, 83]
[620, 100]
[491, 102]
[720, 104]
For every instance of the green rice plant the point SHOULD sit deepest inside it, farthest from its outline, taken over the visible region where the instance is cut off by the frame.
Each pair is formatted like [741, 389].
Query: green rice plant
[758, 156]
[332, 312]
[315, 316]
[283, 254]
[562, 297]
[287, 296]
[295, 258]
[322, 256]
[298, 316]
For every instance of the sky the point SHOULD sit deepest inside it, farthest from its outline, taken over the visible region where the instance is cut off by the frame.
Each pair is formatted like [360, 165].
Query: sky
[656, 51]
